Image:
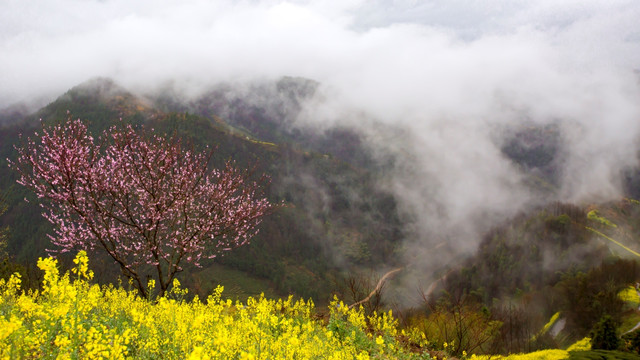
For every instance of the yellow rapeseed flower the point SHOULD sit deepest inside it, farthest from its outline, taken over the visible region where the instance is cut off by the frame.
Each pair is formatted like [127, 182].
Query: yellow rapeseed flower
[91, 321]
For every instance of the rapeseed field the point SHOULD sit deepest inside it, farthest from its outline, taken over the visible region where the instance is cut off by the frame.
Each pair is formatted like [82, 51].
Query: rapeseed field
[71, 318]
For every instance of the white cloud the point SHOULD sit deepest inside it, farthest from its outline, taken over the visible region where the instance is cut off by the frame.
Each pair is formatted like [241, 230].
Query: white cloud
[59, 43]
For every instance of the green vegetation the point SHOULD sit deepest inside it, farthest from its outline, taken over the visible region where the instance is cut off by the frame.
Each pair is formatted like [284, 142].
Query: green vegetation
[537, 284]
[603, 335]
[328, 201]
[602, 355]
[238, 285]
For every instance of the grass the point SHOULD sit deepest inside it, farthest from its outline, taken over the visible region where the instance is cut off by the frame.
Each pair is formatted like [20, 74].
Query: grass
[629, 321]
[602, 355]
[238, 285]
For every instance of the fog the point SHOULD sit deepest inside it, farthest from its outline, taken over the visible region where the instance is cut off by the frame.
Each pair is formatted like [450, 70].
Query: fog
[449, 75]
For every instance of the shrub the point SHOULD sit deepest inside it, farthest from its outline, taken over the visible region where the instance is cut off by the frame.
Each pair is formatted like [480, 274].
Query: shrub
[603, 335]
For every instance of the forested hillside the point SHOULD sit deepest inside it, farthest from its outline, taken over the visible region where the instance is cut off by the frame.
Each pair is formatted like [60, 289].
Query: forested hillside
[335, 217]
[339, 228]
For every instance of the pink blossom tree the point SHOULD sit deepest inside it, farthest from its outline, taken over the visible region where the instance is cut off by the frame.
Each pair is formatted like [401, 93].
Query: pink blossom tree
[145, 200]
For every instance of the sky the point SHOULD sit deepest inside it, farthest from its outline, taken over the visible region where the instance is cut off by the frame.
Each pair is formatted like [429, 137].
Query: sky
[47, 47]
[447, 74]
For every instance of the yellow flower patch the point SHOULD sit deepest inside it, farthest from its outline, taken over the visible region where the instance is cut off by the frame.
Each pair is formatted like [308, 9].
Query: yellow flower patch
[71, 318]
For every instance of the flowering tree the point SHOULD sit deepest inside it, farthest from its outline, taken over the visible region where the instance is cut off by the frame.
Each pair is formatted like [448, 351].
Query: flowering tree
[145, 200]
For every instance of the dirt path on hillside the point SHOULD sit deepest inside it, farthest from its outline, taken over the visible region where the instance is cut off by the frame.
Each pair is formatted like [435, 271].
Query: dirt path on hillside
[378, 287]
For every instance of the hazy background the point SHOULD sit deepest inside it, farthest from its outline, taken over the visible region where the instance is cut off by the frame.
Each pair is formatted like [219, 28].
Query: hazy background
[450, 77]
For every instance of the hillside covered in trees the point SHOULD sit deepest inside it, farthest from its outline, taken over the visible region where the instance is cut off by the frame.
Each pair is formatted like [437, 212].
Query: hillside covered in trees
[335, 216]
[341, 226]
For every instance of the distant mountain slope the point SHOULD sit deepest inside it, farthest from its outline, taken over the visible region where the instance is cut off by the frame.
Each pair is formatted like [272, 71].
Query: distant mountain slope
[268, 111]
[336, 216]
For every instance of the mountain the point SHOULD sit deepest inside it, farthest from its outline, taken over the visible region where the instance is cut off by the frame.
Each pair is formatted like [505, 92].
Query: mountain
[340, 226]
[267, 111]
[537, 150]
[558, 259]
[336, 216]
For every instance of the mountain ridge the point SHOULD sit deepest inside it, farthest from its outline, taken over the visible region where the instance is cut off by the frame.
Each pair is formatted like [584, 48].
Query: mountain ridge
[320, 190]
